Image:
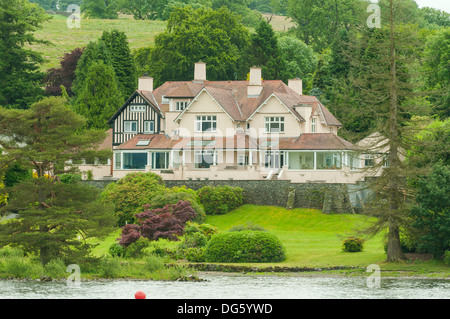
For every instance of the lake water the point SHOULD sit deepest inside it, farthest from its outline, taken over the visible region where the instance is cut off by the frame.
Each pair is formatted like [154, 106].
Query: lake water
[234, 287]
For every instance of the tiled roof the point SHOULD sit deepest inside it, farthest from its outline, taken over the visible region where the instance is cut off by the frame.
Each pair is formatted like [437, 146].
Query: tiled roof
[240, 140]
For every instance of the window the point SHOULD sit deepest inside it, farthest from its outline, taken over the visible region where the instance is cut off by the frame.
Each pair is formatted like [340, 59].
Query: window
[326, 160]
[242, 160]
[160, 160]
[313, 125]
[149, 126]
[118, 160]
[143, 143]
[274, 124]
[137, 108]
[164, 100]
[134, 160]
[386, 161]
[368, 160]
[130, 126]
[180, 106]
[248, 126]
[206, 123]
[205, 158]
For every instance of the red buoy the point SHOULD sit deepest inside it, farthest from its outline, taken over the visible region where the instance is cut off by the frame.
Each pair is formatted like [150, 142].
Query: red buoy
[139, 295]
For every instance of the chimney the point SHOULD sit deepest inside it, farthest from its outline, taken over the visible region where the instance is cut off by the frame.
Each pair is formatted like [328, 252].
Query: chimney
[254, 87]
[296, 85]
[200, 72]
[145, 83]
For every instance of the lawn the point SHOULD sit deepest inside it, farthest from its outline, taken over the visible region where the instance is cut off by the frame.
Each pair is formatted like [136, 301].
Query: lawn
[311, 238]
[140, 33]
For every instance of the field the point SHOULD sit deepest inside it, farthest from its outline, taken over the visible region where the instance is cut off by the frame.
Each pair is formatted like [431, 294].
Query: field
[64, 39]
[139, 33]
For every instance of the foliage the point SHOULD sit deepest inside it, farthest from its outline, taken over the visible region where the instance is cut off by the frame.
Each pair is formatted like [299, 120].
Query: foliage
[55, 219]
[265, 52]
[130, 193]
[167, 222]
[174, 195]
[447, 257]
[99, 97]
[353, 244]
[64, 75]
[16, 173]
[431, 213]
[248, 226]
[100, 9]
[20, 77]
[220, 199]
[122, 61]
[69, 178]
[214, 37]
[245, 246]
[46, 137]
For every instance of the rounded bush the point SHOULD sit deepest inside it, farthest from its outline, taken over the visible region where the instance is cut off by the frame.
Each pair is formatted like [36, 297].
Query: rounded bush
[221, 199]
[353, 244]
[245, 246]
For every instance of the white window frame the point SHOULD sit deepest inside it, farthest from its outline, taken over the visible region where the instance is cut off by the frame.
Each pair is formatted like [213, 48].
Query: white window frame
[138, 108]
[269, 120]
[313, 125]
[129, 129]
[180, 105]
[200, 119]
[369, 157]
[147, 127]
[202, 153]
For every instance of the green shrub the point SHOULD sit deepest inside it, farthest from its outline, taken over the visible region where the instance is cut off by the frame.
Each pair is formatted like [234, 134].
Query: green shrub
[55, 268]
[19, 267]
[245, 246]
[221, 199]
[248, 226]
[174, 195]
[110, 267]
[116, 250]
[195, 255]
[153, 263]
[11, 252]
[69, 178]
[447, 257]
[353, 244]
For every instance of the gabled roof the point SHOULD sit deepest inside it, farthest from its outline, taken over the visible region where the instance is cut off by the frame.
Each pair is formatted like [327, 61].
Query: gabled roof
[148, 98]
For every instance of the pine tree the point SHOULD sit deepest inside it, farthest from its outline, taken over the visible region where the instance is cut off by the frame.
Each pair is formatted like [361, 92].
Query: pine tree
[266, 53]
[122, 61]
[99, 97]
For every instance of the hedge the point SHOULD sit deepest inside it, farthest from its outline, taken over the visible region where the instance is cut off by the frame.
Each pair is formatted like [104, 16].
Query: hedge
[245, 246]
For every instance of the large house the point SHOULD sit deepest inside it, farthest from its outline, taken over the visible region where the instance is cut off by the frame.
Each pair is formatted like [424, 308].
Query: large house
[220, 130]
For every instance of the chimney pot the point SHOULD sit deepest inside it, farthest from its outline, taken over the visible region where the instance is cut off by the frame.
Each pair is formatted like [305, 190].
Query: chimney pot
[200, 71]
[145, 83]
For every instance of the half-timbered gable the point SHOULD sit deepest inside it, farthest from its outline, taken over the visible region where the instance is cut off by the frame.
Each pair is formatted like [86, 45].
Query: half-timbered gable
[138, 115]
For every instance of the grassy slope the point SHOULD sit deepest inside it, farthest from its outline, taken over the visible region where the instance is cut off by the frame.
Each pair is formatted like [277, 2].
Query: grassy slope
[139, 33]
[310, 237]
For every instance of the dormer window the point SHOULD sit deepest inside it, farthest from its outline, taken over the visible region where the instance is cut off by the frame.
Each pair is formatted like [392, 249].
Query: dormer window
[180, 106]
[149, 126]
[313, 125]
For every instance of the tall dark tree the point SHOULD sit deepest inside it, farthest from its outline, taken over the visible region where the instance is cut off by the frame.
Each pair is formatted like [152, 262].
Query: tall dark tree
[100, 9]
[64, 75]
[122, 61]
[20, 75]
[265, 52]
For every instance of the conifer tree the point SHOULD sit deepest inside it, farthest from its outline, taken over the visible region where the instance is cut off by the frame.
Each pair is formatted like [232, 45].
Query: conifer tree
[99, 97]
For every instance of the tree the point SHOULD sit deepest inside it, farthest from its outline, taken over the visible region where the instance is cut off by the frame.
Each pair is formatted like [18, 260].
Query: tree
[266, 53]
[431, 212]
[100, 97]
[47, 137]
[386, 85]
[167, 222]
[437, 68]
[55, 220]
[122, 61]
[192, 35]
[64, 75]
[317, 22]
[95, 51]
[100, 9]
[141, 9]
[51, 215]
[300, 60]
[20, 76]
[435, 17]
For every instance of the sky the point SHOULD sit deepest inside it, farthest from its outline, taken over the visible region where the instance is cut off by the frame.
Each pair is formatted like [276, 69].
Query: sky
[437, 4]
